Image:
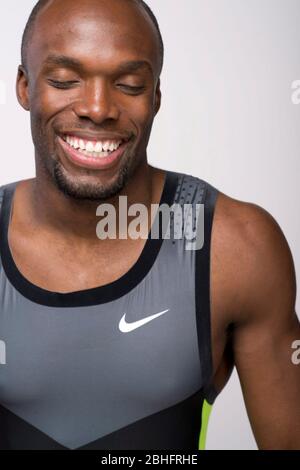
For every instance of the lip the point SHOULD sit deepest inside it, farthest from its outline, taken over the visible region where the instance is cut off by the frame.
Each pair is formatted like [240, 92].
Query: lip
[86, 135]
[93, 163]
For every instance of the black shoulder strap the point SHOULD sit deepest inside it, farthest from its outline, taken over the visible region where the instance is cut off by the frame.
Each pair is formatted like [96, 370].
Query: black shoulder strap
[6, 193]
[202, 293]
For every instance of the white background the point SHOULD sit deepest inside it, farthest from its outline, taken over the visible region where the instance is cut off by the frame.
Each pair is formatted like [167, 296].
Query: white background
[226, 116]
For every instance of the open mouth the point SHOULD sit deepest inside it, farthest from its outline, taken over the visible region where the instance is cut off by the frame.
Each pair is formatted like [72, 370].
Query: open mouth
[95, 149]
[91, 153]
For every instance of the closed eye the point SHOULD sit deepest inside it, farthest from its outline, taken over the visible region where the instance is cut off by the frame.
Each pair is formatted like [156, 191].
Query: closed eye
[62, 85]
[132, 89]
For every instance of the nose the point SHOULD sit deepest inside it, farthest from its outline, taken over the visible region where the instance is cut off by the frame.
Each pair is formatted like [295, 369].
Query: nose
[96, 103]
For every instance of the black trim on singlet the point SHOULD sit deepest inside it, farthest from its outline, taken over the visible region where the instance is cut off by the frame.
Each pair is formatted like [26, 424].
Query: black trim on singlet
[177, 427]
[87, 297]
[202, 295]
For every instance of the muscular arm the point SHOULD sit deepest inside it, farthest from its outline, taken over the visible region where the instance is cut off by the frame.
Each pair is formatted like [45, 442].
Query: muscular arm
[265, 326]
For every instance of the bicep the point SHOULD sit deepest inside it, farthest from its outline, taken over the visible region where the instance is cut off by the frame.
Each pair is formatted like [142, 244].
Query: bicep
[263, 340]
[270, 382]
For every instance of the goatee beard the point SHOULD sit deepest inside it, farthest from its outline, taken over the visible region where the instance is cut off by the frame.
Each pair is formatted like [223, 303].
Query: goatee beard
[88, 191]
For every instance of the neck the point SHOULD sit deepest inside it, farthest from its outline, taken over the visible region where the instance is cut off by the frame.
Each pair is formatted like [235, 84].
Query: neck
[76, 219]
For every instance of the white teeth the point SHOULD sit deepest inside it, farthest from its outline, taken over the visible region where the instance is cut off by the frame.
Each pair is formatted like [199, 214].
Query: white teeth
[98, 147]
[89, 147]
[95, 154]
[101, 149]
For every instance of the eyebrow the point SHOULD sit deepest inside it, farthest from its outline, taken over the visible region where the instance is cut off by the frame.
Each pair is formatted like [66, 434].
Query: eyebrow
[72, 63]
[63, 61]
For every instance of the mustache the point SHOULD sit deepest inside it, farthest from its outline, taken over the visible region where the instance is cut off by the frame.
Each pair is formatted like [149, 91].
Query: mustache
[93, 129]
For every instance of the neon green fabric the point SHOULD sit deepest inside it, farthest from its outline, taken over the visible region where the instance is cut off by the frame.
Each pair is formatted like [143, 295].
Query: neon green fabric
[206, 410]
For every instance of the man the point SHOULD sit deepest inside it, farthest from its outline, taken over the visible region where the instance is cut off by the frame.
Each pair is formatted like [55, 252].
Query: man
[122, 343]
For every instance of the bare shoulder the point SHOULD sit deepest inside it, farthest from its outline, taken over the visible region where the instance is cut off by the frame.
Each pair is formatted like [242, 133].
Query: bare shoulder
[247, 224]
[251, 258]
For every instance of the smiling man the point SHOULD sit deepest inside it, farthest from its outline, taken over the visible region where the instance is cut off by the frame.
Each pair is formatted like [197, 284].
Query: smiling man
[125, 343]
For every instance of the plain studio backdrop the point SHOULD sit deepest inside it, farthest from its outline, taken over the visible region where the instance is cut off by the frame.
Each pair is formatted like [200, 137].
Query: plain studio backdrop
[227, 117]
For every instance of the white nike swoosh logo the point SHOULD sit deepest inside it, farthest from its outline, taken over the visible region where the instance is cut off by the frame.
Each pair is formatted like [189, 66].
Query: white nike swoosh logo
[127, 327]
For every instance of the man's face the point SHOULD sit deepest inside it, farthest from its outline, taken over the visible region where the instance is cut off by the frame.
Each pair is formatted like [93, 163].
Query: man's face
[92, 83]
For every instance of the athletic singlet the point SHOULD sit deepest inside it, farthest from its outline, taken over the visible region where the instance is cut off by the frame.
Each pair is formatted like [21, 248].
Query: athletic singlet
[74, 376]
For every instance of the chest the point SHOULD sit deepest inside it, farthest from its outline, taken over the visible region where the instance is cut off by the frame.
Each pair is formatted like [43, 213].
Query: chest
[77, 372]
[57, 266]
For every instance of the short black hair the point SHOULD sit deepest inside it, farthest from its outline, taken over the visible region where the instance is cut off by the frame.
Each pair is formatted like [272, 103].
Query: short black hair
[28, 31]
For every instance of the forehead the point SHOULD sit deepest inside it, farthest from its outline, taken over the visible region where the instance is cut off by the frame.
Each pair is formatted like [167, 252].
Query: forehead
[96, 32]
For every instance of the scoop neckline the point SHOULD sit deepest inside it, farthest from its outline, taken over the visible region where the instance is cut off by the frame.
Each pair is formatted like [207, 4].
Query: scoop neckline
[87, 297]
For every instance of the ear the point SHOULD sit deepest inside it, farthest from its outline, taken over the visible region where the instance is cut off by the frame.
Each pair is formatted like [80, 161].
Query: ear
[22, 87]
[157, 97]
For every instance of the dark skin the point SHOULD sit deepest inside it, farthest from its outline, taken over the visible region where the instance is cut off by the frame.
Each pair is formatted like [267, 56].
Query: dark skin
[253, 286]
[101, 99]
